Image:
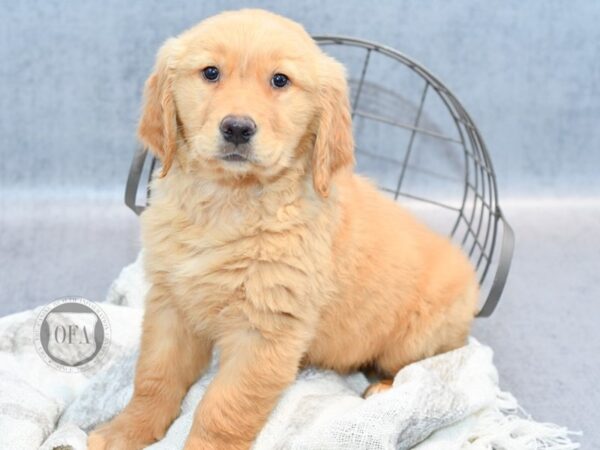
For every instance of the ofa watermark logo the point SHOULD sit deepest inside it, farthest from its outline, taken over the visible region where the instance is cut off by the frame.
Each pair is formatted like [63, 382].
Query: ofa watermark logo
[72, 334]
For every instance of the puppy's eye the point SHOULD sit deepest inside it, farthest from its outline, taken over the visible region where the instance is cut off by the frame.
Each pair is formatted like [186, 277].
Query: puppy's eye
[279, 80]
[210, 73]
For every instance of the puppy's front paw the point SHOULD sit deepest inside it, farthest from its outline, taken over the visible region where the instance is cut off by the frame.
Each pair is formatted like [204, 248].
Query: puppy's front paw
[196, 441]
[107, 440]
[116, 435]
[376, 388]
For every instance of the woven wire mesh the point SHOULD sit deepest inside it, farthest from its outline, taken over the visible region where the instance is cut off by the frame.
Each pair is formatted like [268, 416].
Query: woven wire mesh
[415, 139]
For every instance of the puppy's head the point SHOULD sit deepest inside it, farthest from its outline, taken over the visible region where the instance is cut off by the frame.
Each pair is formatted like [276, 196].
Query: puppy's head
[248, 94]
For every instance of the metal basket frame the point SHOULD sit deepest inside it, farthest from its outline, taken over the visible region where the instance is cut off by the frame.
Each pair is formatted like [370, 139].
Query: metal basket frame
[483, 189]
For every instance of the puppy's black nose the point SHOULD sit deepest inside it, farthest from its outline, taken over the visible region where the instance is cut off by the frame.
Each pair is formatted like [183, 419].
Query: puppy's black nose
[237, 129]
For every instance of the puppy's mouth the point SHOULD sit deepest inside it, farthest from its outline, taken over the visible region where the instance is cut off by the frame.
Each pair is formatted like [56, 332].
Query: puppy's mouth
[236, 153]
[234, 157]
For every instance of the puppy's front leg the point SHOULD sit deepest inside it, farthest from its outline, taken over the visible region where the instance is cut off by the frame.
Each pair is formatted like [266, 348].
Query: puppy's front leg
[171, 358]
[255, 367]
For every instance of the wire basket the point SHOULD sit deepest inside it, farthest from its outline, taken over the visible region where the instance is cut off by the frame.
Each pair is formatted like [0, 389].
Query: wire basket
[415, 139]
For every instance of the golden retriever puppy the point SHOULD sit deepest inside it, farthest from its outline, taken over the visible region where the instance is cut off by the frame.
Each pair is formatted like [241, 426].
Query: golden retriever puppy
[261, 241]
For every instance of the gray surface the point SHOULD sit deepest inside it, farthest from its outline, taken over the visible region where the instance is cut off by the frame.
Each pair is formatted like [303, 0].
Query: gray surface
[55, 249]
[527, 72]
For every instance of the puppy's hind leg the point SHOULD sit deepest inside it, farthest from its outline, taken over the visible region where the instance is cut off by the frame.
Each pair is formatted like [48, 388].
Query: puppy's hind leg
[171, 358]
[377, 387]
[415, 347]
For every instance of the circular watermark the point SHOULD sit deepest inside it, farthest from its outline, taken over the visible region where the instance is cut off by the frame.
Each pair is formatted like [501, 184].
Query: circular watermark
[72, 334]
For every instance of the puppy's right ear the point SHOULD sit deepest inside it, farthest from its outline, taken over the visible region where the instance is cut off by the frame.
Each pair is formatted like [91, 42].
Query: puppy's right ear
[158, 125]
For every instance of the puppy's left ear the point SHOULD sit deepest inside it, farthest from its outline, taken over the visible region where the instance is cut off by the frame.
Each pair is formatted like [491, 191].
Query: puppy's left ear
[334, 143]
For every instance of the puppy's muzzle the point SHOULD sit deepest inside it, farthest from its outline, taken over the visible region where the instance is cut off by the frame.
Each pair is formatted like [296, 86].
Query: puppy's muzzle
[237, 129]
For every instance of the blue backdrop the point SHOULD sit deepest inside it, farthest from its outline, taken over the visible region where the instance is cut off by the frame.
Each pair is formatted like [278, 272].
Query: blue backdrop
[72, 73]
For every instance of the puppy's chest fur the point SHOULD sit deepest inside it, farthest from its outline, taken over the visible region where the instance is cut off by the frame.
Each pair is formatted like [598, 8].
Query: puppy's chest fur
[239, 256]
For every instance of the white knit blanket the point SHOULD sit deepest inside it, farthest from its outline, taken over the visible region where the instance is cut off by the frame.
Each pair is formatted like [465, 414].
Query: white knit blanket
[450, 401]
